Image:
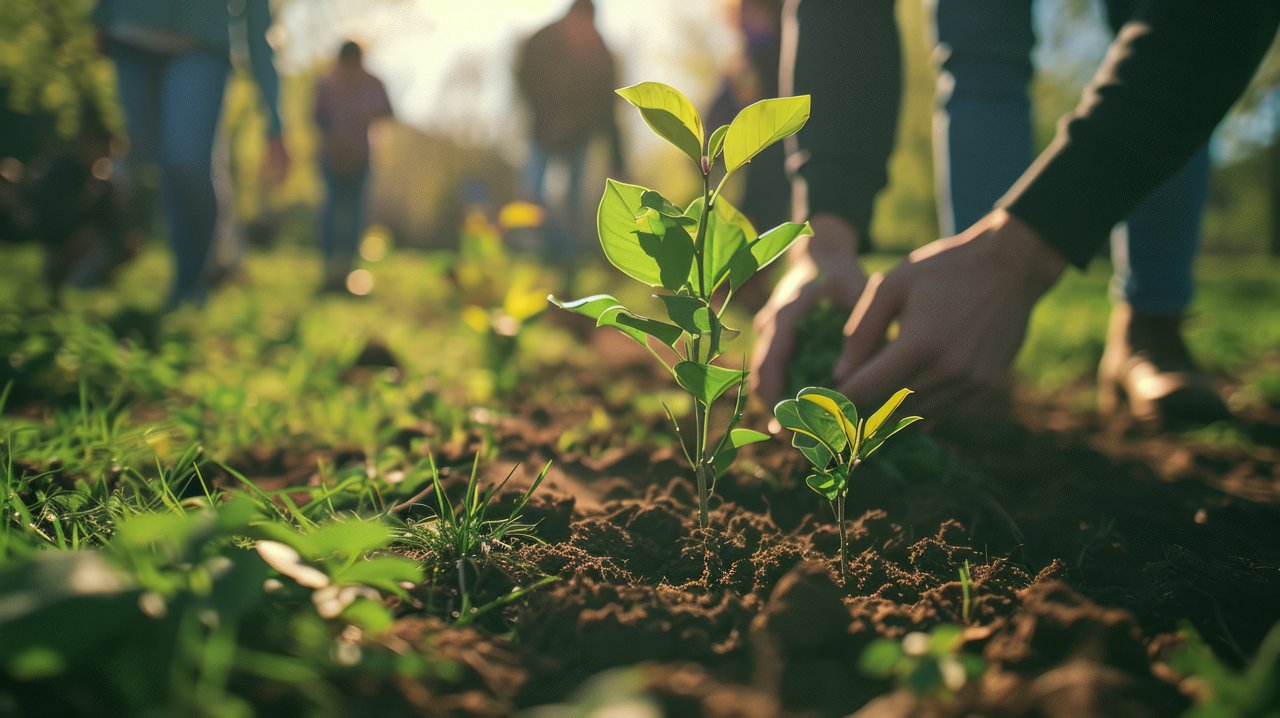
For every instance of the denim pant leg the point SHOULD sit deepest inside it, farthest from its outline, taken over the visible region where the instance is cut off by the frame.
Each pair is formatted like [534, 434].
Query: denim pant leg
[191, 91]
[982, 127]
[138, 85]
[343, 219]
[1154, 252]
[535, 173]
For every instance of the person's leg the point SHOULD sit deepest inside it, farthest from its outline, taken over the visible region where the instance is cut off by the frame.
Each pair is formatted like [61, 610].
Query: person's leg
[847, 56]
[350, 224]
[191, 106]
[982, 125]
[138, 87]
[328, 224]
[575, 163]
[1147, 362]
[1154, 253]
[535, 173]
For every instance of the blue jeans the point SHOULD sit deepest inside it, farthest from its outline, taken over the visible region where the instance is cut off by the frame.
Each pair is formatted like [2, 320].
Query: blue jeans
[560, 233]
[343, 220]
[172, 106]
[983, 143]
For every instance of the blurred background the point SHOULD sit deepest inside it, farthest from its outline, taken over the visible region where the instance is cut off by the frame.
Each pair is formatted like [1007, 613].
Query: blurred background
[460, 132]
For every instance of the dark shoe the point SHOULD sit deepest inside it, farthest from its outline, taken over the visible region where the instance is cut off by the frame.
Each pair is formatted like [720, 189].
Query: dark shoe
[1147, 367]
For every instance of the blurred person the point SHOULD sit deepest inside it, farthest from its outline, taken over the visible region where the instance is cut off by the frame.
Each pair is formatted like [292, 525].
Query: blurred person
[566, 76]
[962, 303]
[172, 62]
[766, 192]
[983, 142]
[348, 100]
[75, 212]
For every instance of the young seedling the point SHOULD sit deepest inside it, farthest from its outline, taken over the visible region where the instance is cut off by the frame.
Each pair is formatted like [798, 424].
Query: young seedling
[831, 436]
[465, 533]
[966, 587]
[687, 254]
[931, 665]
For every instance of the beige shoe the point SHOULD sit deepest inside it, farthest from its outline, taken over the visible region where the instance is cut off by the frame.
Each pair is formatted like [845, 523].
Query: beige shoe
[1147, 367]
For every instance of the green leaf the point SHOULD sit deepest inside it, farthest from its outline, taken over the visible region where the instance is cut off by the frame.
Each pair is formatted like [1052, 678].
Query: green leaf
[835, 404]
[670, 114]
[761, 124]
[728, 232]
[656, 260]
[716, 143]
[826, 426]
[381, 572]
[880, 659]
[762, 252]
[742, 437]
[707, 382]
[665, 207]
[592, 306]
[875, 442]
[349, 538]
[884, 412]
[636, 326]
[608, 311]
[826, 483]
[787, 412]
[689, 313]
[814, 450]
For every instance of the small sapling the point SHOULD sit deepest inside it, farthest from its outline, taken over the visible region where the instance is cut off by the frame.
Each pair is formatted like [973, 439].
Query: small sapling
[828, 431]
[687, 253]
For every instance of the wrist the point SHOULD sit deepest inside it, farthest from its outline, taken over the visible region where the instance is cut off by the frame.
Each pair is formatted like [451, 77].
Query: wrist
[1021, 246]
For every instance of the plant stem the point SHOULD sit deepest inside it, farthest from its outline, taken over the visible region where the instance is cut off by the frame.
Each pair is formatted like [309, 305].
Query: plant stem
[844, 540]
[702, 413]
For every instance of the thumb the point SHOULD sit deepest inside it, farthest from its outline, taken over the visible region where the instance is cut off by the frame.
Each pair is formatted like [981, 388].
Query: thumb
[879, 304]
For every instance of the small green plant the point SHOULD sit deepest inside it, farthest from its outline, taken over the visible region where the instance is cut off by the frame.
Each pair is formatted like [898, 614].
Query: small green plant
[688, 253]
[465, 534]
[828, 431]
[966, 586]
[930, 665]
[1220, 690]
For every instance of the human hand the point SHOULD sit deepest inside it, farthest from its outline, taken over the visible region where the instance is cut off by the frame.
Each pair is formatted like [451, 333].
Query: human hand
[275, 165]
[962, 306]
[820, 268]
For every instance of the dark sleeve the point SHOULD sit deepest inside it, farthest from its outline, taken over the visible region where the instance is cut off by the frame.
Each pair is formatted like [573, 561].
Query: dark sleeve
[845, 53]
[262, 61]
[1168, 79]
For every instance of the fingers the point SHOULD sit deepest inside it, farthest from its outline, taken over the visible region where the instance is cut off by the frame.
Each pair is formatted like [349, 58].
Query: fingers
[879, 304]
[776, 339]
[893, 368]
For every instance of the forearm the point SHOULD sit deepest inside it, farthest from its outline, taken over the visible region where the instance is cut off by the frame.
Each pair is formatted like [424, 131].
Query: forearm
[262, 62]
[1169, 78]
[846, 55]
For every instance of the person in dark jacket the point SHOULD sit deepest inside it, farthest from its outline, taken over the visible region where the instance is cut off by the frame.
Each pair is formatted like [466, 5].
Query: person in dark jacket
[962, 303]
[172, 59]
[566, 76]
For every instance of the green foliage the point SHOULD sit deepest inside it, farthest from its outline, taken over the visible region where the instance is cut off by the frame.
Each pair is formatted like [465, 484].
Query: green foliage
[464, 533]
[1220, 690]
[178, 588]
[966, 588]
[827, 430]
[930, 665]
[49, 62]
[819, 340]
[689, 253]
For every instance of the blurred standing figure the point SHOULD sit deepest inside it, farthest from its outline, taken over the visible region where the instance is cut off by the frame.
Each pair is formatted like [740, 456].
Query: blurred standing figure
[172, 59]
[566, 76]
[766, 197]
[348, 100]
